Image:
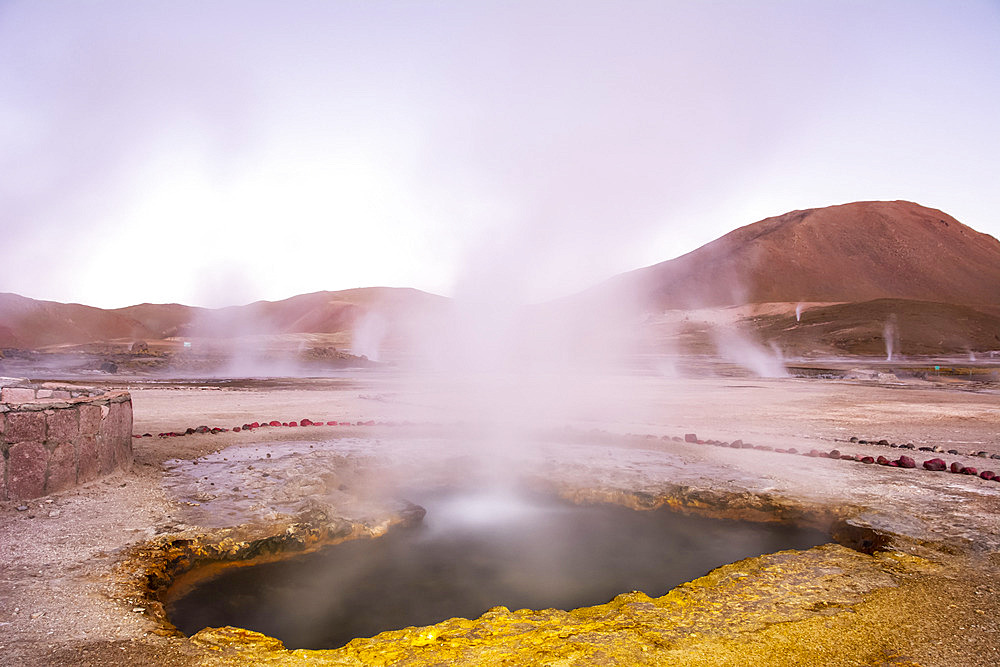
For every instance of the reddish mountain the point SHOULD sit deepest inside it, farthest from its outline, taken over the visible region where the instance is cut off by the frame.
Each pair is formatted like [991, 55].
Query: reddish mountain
[29, 323]
[853, 252]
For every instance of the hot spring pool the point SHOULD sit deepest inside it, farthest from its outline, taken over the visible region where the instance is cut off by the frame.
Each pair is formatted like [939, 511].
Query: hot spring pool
[473, 552]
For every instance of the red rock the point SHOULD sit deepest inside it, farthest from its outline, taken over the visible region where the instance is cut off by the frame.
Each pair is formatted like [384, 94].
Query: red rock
[331, 423]
[24, 427]
[306, 422]
[813, 452]
[834, 454]
[105, 455]
[867, 459]
[86, 456]
[847, 457]
[274, 423]
[236, 429]
[90, 419]
[255, 425]
[894, 464]
[936, 465]
[26, 468]
[970, 471]
[690, 437]
[987, 474]
[63, 425]
[882, 461]
[781, 450]
[906, 462]
[957, 467]
[792, 450]
[62, 468]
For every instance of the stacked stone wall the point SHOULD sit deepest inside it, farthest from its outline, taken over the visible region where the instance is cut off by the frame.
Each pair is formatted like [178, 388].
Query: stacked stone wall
[54, 437]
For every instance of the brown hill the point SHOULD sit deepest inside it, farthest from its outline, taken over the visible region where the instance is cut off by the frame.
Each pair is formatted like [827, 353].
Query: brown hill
[163, 320]
[853, 252]
[318, 312]
[912, 327]
[28, 323]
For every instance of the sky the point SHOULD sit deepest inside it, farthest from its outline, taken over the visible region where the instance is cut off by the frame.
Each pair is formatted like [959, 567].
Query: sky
[217, 153]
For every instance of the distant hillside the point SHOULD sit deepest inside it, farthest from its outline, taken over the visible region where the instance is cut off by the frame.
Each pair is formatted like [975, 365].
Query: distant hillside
[856, 268]
[28, 323]
[914, 328]
[853, 252]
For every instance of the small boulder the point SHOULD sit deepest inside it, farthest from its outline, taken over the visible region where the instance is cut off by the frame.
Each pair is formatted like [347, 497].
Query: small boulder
[936, 465]
[970, 471]
[867, 459]
[987, 474]
[834, 454]
[882, 461]
[690, 437]
[957, 467]
[906, 462]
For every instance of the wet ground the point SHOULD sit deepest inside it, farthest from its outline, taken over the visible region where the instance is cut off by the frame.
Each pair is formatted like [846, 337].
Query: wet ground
[69, 593]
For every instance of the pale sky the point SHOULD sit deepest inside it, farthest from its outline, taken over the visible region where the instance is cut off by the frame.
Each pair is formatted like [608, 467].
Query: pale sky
[216, 153]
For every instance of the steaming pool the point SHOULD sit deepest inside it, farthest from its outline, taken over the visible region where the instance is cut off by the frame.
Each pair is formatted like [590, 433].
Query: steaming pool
[471, 552]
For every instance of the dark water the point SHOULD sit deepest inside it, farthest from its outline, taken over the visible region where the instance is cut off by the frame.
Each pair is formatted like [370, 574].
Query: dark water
[470, 554]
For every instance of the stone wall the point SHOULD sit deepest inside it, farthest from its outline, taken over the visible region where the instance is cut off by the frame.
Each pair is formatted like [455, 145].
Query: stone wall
[54, 437]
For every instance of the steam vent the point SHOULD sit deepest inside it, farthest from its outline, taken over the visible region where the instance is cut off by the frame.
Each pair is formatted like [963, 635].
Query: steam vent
[54, 437]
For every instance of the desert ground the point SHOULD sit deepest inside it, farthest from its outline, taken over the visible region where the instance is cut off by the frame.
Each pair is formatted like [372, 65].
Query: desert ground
[76, 566]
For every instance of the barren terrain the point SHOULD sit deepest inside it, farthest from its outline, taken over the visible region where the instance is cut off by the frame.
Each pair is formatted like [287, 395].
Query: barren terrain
[69, 592]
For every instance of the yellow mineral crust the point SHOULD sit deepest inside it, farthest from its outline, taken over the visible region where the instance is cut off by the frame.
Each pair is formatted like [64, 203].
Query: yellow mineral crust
[824, 606]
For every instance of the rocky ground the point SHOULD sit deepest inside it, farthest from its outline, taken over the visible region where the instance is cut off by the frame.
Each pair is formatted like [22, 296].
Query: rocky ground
[75, 567]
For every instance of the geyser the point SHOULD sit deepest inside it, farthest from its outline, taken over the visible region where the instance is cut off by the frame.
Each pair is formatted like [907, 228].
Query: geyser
[471, 553]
